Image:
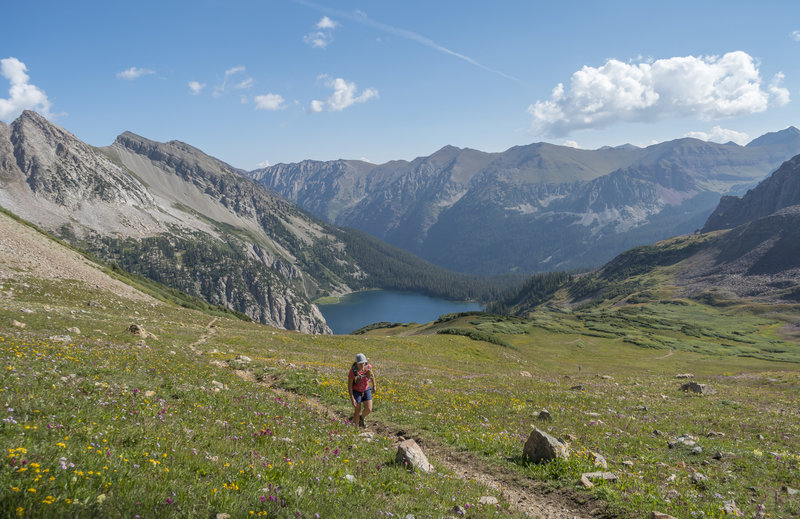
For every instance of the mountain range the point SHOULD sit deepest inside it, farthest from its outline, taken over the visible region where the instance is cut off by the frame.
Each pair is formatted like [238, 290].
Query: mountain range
[171, 213]
[749, 249]
[533, 208]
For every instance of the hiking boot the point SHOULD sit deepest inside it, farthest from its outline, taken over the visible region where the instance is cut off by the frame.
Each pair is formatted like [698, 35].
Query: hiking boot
[361, 422]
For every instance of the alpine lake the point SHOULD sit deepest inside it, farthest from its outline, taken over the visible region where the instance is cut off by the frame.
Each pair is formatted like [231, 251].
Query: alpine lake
[359, 309]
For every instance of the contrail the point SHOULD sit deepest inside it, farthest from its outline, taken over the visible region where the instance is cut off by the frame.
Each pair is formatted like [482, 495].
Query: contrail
[403, 33]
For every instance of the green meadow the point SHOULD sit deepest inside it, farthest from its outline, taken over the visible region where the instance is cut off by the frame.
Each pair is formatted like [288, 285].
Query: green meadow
[105, 423]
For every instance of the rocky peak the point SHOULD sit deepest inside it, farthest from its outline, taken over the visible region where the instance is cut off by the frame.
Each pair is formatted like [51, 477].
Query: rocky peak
[66, 171]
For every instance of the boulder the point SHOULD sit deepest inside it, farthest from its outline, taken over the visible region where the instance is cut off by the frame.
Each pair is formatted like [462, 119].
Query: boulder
[694, 387]
[75, 330]
[138, 329]
[789, 490]
[526, 374]
[598, 459]
[240, 362]
[544, 415]
[411, 455]
[18, 324]
[586, 482]
[605, 476]
[730, 508]
[684, 375]
[576, 388]
[487, 500]
[541, 447]
[699, 479]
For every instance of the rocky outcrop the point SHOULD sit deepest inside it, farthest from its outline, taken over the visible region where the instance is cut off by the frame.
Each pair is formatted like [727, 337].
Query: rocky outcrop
[780, 190]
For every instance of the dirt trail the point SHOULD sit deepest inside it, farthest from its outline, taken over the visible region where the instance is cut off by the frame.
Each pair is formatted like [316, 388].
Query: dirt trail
[210, 330]
[523, 494]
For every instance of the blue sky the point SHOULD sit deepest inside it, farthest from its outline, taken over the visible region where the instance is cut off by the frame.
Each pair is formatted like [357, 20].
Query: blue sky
[283, 80]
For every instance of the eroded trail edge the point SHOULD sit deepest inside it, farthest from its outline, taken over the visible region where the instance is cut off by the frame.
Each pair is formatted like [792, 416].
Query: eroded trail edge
[522, 494]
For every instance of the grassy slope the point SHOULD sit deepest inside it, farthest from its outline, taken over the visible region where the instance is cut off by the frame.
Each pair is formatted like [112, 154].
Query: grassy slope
[190, 451]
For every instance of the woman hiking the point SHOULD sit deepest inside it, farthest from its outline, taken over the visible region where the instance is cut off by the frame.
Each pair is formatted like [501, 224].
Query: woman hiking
[358, 387]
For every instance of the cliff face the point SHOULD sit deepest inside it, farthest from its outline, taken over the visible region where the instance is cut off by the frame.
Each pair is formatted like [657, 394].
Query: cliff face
[172, 213]
[531, 208]
[778, 191]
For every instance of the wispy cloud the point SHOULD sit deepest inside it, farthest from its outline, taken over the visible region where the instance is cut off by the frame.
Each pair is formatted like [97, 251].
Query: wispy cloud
[22, 95]
[706, 88]
[243, 82]
[270, 102]
[134, 73]
[196, 87]
[362, 18]
[344, 94]
[323, 36]
[795, 35]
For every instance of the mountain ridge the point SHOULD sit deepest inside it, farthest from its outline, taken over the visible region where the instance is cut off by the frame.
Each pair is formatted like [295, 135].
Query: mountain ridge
[174, 214]
[533, 207]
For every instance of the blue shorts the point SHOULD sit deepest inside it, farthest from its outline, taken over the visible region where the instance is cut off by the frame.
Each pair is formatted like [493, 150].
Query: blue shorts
[362, 395]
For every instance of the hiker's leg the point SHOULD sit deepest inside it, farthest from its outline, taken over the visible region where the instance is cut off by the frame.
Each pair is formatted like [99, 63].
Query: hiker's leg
[357, 413]
[367, 408]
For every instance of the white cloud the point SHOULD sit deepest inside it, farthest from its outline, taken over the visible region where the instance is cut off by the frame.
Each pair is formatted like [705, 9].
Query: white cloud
[318, 39]
[795, 35]
[323, 36]
[780, 94]
[243, 84]
[134, 73]
[317, 106]
[344, 95]
[21, 95]
[196, 87]
[706, 88]
[572, 144]
[327, 23]
[264, 164]
[269, 102]
[721, 135]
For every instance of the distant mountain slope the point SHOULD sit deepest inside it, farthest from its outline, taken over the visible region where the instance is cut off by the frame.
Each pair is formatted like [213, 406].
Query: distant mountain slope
[531, 208]
[758, 259]
[779, 190]
[172, 213]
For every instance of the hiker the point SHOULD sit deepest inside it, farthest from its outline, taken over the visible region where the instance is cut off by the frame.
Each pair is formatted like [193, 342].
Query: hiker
[358, 387]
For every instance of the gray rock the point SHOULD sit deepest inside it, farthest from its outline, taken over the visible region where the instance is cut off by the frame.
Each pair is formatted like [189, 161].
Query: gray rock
[699, 479]
[684, 375]
[598, 459]
[790, 491]
[585, 481]
[660, 515]
[526, 374]
[459, 510]
[541, 447]
[694, 387]
[605, 476]
[240, 362]
[18, 324]
[75, 330]
[544, 415]
[487, 500]
[697, 450]
[411, 455]
[730, 508]
[576, 388]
